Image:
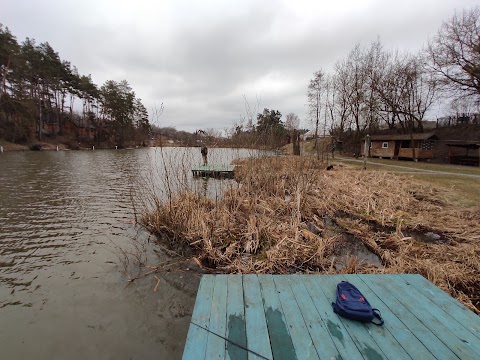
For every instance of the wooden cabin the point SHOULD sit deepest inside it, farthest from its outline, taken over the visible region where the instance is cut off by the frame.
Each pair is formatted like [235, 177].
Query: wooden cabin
[400, 146]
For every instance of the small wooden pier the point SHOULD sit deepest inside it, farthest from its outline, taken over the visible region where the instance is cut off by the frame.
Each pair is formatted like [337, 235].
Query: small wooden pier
[216, 171]
[291, 317]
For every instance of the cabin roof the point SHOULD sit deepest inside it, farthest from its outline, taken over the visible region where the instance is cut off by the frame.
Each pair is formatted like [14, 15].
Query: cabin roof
[465, 145]
[417, 136]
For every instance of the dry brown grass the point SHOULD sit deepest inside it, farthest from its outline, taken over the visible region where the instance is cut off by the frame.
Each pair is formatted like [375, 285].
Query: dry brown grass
[273, 222]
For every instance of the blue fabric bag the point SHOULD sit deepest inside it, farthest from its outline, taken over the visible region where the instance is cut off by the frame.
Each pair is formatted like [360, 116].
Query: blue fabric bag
[351, 304]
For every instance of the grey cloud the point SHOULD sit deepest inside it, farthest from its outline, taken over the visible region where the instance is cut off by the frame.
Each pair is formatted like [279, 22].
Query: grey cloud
[200, 58]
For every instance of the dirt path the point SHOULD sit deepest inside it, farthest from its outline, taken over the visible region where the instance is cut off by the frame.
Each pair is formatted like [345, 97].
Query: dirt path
[410, 169]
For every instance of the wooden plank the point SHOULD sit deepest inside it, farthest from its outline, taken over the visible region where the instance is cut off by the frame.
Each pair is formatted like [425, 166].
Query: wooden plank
[339, 334]
[236, 331]
[460, 340]
[218, 320]
[319, 334]
[302, 342]
[429, 337]
[295, 319]
[393, 326]
[425, 336]
[197, 337]
[450, 305]
[255, 322]
[362, 338]
[223, 168]
[278, 331]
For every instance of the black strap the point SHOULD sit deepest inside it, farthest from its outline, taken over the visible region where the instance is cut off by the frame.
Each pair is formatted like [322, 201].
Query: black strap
[232, 342]
[378, 315]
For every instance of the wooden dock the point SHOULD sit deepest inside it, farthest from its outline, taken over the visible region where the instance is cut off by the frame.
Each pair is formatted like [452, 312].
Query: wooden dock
[291, 317]
[217, 171]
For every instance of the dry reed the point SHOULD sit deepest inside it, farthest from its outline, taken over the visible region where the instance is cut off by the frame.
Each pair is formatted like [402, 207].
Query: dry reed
[275, 222]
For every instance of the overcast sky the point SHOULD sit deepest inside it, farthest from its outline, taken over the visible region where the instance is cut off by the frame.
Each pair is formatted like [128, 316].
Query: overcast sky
[201, 57]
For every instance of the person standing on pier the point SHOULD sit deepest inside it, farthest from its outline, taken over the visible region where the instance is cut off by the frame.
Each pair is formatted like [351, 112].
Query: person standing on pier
[204, 155]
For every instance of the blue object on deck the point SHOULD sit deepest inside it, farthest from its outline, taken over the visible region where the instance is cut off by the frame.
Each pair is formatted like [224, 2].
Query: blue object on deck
[290, 317]
[352, 304]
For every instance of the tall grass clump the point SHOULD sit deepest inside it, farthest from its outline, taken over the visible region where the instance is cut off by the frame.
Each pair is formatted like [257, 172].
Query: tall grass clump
[275, 219]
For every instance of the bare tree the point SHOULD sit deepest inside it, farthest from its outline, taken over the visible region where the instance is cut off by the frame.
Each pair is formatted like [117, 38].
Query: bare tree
[463, 106]
[341, 96]
[357, 88]
[243, 131]
[314, 95]
[328, 103]
[352, 94]
[292, 122]
[455, 53]
[406, 90]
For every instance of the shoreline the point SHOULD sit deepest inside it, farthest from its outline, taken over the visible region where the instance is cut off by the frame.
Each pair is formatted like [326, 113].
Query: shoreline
[52, 146]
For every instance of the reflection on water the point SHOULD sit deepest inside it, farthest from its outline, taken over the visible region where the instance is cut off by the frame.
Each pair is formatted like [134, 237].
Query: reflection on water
[63, 216]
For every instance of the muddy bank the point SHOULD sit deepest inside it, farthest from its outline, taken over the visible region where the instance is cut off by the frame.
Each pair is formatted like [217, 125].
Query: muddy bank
[291, 215]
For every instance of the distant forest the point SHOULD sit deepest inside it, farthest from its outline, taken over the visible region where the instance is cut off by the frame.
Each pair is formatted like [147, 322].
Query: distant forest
[41, 95]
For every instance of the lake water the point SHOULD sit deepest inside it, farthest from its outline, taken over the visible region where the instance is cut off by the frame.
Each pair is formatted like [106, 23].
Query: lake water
[66, 223]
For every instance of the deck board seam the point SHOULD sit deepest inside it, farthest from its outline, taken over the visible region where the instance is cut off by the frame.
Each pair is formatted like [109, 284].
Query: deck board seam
[455, 332]
[440, 307]
[226, 319]
[344, 321]
[400, 320]
[262, 323]
[305, 322]
[407, 325]
[319, 287]
[303, 317]
[339, 319]
[386, 328]
[420, 320]
[278, 278]
[280, 307]
[245, 314]
[198, 304]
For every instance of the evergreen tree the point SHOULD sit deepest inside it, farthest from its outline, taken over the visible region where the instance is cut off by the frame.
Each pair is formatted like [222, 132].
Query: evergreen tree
[270, 128]
[38, 91]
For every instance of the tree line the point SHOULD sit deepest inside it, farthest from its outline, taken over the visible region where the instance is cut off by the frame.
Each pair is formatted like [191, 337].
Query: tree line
[373, 88]
[264, 129]
[38, 88]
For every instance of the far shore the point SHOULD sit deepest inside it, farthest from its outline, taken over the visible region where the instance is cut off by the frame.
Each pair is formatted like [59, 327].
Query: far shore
[53, 146]
[8, 146]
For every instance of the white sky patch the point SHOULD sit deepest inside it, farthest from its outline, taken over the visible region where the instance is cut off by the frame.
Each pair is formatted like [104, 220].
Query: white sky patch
[273, 83]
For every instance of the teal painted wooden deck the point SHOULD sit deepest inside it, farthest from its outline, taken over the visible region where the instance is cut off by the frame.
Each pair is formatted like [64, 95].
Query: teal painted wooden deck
[213, 170]
[291, 317]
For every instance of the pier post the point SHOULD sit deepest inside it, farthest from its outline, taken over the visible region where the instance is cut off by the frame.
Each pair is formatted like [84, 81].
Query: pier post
[366, 149]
